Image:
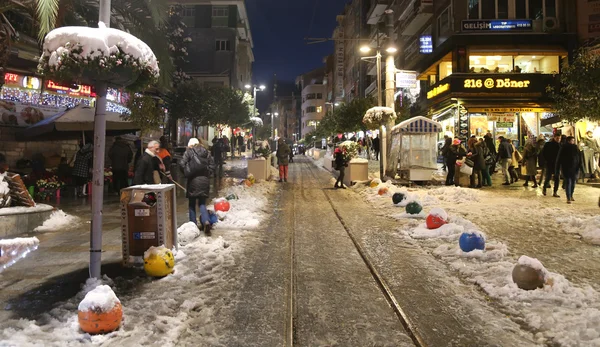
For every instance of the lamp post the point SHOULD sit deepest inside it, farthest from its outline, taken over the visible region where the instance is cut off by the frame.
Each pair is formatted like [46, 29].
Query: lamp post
[255, 89]
[390, 70]
[273, 114]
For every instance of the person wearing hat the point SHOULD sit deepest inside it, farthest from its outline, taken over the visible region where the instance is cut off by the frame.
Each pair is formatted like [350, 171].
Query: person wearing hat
[340, 165]
[455, 152]
[198, 167]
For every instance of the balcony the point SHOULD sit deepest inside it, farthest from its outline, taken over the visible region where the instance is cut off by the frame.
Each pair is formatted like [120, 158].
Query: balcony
[415, 16]
[376, 11]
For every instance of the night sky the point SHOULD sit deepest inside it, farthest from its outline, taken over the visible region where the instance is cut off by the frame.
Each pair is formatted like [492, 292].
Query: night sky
[279, 28]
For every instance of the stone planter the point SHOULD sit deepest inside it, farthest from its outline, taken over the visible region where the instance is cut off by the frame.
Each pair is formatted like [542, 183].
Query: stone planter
[328, 162]
[259, 168]
[356, 172]
[317, 154]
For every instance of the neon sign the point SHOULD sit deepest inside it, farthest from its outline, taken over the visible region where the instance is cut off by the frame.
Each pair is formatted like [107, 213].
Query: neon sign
[490, 83]
[78, 89]
[11, 78]
[438, 90]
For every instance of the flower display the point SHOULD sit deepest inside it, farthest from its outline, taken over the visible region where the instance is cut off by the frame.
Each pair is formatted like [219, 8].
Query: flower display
[108, 175]
[349, 150]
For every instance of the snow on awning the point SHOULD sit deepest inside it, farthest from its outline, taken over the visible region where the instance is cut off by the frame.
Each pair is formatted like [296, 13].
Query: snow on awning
[419, 125]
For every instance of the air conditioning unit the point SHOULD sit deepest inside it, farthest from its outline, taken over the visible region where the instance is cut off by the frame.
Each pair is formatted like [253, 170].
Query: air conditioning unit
[550, 24]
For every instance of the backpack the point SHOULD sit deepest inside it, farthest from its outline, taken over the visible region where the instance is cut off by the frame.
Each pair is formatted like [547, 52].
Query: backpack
[197, 166]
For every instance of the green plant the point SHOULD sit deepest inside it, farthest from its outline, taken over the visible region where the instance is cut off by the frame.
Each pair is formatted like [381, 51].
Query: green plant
[349, 149]
[146, 112]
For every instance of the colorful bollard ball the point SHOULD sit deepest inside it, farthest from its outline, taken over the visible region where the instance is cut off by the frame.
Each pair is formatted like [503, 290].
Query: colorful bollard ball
[436, 218]
[398, 197]
[382, 191]
[470, 241]
[222, 205]
[231, 197]
[414, 208]
[213, 217]
[529, 273]
[100, 312]
[158, 261]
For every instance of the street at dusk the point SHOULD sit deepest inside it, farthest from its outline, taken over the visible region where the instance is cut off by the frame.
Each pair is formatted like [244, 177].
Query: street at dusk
[300, 173]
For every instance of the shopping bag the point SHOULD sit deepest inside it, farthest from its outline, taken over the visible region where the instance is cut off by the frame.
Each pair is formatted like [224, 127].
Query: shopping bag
[466, 169]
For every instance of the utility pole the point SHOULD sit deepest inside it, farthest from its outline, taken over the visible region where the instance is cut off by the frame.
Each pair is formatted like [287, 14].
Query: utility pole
[98, 169]
[390, 88]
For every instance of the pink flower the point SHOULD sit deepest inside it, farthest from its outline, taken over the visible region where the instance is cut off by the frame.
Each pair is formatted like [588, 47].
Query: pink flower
[119, 62]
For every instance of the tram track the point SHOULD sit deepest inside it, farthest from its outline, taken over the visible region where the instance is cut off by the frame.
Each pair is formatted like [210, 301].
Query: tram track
[409, 327]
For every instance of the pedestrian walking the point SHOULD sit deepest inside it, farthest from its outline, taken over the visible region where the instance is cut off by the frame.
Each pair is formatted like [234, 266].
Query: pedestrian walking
[198, 167]
[516, 159]
[283, 159]
[376, 147]
[505, 155]
[445, 147]
[540, 143]
[240, 144]
[455, 152]
[568, 161]
[165, 161]
[483, 162]
[491, 146]
[550, 153]
[530, 159]
[120, 155]
[82, 166]
[147, 170]
[478, 162]
[340, 165]
[218, 147]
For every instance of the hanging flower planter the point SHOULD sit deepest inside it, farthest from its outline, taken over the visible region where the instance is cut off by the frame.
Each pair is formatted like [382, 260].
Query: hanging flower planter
[90, 55]
[377, 116]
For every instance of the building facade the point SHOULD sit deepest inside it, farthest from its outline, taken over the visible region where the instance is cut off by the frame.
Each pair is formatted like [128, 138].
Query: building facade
[313, 99]
[485, 65]
[221, 53]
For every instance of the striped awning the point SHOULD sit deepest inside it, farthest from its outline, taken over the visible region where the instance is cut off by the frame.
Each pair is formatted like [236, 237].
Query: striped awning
[418, 125]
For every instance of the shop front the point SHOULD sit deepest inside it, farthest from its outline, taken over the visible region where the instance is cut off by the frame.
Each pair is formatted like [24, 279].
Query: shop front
[510, 105]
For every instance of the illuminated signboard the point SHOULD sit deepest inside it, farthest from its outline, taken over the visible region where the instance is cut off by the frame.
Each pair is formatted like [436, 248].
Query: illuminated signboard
[27, 82]
[491, 83]
[74, 90]
[442, 88]
[425, 44]
[497, 25]
[11, 78]
[406, 79]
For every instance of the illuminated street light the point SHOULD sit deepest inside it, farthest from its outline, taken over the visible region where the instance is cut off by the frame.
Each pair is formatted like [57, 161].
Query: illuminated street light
[391, 49]
[262, 87]
[365, 49]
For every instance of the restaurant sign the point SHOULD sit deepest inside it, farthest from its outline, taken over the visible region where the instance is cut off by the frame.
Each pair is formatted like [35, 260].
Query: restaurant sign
[73, 90]
[27, 82]
[18, 114]
[506, 109]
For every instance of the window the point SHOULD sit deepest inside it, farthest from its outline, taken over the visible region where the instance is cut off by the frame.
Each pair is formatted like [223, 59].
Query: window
[502, 9]
[548, 64]
[220, 16]
[188, 11]
[521, 8]
[223, 45]
[319, 96]
[319, 109]
[443, 21]
[445, 70]
[311, 96]
[311, 109]
[473, 9]
[536, 10]
[488, 9]
[537, 64]
[491, 63]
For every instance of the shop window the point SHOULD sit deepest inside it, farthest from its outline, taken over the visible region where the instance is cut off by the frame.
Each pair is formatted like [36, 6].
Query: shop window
[319, 96]
[490, 64]
[319, 109]
[445, 70]
[220, 16]
[473, 9]
[432, 79]
[537, 64]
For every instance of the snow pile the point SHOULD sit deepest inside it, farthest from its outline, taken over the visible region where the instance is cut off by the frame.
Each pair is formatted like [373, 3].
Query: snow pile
[439, 212]
[12, 250]
[4, 190]
[533, 263]
[100, 299]
[58, 220]
[187, 233]
[155, 251]
[249, 209]
[588, 228]
[455, 194]
[377, 115]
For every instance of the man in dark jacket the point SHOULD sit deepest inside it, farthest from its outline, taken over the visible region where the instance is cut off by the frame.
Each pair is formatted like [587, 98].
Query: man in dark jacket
[147, 168]
[340, 165]
[198, 167]
[505, 151]
[568, 161]
[550, 153]
[120, 155]
[455, 152]
[240, 144]
[447, 144]
[491, 146]
[376, 147]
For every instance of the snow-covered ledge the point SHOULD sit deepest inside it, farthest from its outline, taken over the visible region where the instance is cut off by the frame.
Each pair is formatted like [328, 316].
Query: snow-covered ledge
[357, 170]
[21, 220]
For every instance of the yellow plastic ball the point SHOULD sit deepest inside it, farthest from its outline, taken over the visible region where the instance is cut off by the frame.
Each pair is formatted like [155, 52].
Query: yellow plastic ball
[158, 262]
[373, 184]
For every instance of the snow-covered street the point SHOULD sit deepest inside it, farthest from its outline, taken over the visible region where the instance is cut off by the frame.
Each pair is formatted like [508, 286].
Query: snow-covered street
[283, 267]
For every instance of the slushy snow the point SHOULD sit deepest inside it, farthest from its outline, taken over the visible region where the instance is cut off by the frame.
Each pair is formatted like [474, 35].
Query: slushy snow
[187, 233]
[58, 220]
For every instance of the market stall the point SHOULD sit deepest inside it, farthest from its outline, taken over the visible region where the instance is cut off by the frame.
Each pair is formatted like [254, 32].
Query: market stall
[414, 148]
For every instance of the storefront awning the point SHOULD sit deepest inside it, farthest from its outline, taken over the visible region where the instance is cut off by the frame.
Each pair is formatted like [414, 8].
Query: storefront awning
[418, 125]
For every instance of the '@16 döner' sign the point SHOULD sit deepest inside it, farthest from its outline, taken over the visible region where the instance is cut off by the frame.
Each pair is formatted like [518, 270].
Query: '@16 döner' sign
[491, 83]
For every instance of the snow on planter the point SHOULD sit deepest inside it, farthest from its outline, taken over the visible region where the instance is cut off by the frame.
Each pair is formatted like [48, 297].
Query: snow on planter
[100, 311]
[98, 54]
[158, 261]
[58, 220]
[376, 116]
[256, 121]
[529, 273]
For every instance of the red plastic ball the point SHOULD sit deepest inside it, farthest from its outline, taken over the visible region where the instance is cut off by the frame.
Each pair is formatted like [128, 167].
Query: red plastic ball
[222, 206]
[434, 221]
[382, 191]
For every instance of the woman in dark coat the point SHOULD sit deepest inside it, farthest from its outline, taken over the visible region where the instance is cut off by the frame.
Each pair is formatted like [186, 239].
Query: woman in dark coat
[530, 158]
[81, 167]
[568, 161]
[455, 152]
[198, 167]
[340, 165]
[481, 153]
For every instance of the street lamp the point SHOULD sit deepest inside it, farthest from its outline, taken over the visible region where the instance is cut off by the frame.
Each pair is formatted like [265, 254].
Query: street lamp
[276, 114]
[255, 89]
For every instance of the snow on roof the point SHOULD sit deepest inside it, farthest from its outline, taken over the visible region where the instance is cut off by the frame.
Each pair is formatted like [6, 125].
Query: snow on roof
[418, 125]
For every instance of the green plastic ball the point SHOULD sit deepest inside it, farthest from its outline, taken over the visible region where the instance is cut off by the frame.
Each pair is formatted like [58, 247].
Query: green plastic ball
[414, 208]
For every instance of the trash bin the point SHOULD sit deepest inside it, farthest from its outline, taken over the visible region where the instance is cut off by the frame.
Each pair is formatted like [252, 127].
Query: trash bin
[148, 218]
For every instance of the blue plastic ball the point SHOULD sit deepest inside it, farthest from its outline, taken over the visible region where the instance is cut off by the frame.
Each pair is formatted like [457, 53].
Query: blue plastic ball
[397, 198]
[469, 242]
